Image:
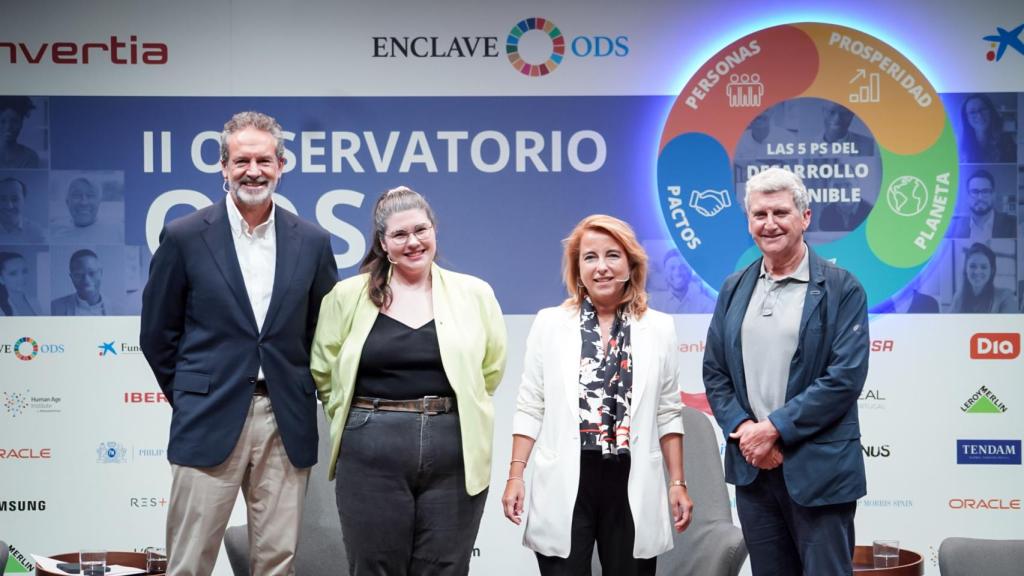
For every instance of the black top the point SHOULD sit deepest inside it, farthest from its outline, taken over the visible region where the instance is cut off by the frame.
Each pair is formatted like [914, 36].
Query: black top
[401, 363]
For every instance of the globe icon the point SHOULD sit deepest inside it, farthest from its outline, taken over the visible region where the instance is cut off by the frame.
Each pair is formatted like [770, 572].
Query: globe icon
[907, 195]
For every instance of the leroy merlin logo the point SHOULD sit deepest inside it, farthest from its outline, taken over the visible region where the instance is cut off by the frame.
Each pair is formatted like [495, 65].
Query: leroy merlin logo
[17, 562]
[984, 401]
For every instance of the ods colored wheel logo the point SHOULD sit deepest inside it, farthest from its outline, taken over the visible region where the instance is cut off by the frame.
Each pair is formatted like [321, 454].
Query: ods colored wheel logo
[512, 46]
[846, 111]
[33, 347]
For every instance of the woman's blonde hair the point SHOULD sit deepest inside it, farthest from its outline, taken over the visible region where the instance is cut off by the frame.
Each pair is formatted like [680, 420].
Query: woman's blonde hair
[634, 299]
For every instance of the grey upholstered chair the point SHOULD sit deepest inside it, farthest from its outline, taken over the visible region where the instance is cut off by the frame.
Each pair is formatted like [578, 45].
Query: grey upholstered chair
[712, 545]
[321, 550]
[979, 557]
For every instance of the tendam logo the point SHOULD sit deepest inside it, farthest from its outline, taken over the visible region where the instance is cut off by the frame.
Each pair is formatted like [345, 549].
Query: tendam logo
[115, 50]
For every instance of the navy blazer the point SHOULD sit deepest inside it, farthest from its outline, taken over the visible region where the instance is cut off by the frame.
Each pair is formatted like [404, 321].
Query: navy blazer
[199, 334]
[818, 425]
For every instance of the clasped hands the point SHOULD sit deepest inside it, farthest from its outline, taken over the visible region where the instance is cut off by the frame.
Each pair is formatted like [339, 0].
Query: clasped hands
[759, 443]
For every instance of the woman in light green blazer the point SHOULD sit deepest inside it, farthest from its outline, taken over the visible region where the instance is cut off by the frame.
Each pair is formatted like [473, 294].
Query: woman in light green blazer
[406, 358]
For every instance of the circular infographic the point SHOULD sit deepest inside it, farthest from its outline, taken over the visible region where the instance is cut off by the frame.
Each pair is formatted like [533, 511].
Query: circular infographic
[513, 45]
[842, 109]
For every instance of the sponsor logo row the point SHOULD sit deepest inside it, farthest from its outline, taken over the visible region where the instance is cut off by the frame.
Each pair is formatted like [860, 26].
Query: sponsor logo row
[110, 452]
[15, 404]
[983, 346]
[28, 349]
[533, 46]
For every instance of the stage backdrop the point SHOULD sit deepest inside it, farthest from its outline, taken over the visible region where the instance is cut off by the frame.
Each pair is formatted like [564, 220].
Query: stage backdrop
[515, 122]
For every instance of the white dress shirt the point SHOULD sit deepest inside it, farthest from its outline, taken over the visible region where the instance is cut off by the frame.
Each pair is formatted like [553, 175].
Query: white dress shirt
[256, 249]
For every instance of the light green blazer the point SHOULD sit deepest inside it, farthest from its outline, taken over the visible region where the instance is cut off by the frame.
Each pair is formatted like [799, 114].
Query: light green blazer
[471, 335]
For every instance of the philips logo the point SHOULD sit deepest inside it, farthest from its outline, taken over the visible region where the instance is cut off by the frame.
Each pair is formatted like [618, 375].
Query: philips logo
[995, 346]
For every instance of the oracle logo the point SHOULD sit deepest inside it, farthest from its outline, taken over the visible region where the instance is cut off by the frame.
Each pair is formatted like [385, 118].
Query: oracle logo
[995, 346]
[25, 454]
[984, 503]
[145, 398]
[115, 50]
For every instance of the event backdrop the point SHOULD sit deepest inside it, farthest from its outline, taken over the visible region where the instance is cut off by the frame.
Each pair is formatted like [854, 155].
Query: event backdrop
[515, 122]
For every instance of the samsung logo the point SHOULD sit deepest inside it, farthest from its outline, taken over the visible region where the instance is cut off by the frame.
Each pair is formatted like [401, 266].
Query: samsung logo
[22, 505]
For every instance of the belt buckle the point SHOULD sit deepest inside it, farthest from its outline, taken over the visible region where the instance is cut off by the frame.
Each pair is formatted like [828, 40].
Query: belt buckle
[427, 411]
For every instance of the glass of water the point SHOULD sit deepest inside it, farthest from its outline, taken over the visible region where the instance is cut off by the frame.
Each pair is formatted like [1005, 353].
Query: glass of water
[886, 553]
[92, 562]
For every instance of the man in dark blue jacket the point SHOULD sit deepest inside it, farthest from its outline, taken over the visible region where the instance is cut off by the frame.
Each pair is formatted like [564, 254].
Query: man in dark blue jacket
[786, 359]
[228, 317]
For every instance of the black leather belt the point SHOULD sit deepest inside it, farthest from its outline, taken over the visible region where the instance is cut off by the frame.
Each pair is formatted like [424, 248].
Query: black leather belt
[425, 405]
[261, 388]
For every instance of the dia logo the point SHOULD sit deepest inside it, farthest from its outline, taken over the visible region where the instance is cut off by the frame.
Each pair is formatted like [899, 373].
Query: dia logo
[995, 346]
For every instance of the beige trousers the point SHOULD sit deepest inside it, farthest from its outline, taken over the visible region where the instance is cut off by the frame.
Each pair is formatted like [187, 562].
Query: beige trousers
[202, 499]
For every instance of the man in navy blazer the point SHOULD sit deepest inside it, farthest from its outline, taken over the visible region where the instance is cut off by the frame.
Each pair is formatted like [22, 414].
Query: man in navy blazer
[785, 360]
[228, 317]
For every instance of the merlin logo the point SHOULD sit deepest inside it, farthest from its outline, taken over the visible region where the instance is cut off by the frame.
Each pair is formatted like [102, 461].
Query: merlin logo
[984, 401]
[995, 346]
[18, 562]
[988, 451]
[111, 453]
[118, 51]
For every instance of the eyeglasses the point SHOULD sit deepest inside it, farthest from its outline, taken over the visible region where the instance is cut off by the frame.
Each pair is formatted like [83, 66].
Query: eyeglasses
[980, 191]
[401, 237]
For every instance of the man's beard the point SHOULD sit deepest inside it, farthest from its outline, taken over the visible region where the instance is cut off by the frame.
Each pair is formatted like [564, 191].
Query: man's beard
[253, 199]
[981, 211]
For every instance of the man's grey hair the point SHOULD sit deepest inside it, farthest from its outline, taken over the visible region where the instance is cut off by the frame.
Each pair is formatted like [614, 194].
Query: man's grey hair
[777, 179]
[251, 119]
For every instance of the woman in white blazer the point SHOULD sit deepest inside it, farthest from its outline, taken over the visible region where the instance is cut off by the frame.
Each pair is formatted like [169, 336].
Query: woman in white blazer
[600, 413]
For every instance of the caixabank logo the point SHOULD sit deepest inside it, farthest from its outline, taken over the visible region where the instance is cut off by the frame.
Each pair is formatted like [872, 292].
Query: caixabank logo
[28, 349]
[534, 46]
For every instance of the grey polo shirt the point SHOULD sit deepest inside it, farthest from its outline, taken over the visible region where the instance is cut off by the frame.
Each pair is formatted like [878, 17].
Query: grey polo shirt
[770, 332]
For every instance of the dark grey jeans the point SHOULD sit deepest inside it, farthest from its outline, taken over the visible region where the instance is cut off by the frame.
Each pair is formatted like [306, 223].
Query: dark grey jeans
[401, 490]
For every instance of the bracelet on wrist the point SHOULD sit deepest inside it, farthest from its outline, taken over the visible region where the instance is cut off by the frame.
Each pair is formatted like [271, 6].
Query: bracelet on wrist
[514, 460]
[677, 483]
[511, 478]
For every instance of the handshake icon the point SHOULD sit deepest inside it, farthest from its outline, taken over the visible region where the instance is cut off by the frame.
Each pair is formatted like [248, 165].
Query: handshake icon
[709, 202]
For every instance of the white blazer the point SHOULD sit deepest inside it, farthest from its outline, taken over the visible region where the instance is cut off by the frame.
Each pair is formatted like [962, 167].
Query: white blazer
[547, 410]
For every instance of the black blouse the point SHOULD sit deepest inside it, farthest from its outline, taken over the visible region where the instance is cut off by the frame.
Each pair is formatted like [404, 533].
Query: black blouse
[401, 363]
